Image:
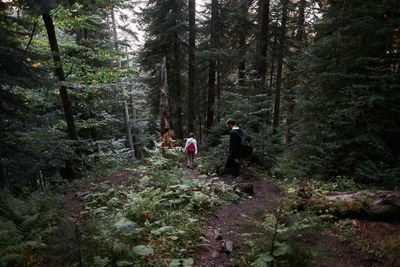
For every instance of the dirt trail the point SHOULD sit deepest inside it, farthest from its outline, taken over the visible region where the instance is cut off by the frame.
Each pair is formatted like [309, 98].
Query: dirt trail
[225, 224]
[224, 228]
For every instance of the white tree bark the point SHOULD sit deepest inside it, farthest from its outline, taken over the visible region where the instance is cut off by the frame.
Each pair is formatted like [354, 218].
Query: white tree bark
[125, 102]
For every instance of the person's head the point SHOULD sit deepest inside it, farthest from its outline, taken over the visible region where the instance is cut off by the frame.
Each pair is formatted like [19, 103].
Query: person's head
[230, 122]
[191, 135]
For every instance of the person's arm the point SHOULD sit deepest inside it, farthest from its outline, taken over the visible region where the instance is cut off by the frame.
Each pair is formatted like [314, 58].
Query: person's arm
[195, 146]
[236, 144]
[231, 137]
[187, 143]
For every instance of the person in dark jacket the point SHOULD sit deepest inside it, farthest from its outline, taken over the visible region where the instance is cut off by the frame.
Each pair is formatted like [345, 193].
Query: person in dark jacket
[233, 161]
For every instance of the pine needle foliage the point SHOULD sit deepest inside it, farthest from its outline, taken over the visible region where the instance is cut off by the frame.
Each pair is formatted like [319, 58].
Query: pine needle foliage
[347, 116]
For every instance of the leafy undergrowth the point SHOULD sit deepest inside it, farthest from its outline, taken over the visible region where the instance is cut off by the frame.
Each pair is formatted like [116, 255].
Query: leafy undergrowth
[381, 239]
[292, 236]
[277, 237]
[25, 225]
[29, 221]
[155, 221]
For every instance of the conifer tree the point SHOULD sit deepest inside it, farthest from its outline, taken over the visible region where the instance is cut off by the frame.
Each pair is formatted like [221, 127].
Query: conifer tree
[293, 80]
[191, 72]
[164, 23]
[212, 65]
[262, 42]
[125, 102]
[281, 55]
[348, 113]
[242, 32]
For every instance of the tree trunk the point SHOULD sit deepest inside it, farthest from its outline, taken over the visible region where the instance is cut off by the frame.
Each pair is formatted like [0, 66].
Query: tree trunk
[178, 90]
[212, 64]
[269, 96]
[280, 64]
[300, 23]
[293, 81]
[218, 88]
[164, 106]
[262, 43]
[242, 41]
[191, 86]
[59, 72]
[69, 173]
[125, 102]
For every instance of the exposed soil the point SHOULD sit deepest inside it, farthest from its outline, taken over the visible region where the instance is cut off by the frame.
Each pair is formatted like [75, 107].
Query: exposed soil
[227, 222]
[334, 253]
[227, 225]
[230, 221]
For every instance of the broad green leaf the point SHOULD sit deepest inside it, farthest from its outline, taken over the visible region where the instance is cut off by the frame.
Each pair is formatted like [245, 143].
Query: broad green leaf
[142, 250]
[124, 263]
[263, 260]
[280, 249]
[187, 262]
[175, 263]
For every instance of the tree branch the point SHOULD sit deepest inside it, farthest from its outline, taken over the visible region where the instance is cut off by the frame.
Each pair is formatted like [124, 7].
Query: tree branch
[33, 31]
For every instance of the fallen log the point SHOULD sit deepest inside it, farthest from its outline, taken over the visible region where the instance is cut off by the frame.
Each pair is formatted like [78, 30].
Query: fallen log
[373, 204]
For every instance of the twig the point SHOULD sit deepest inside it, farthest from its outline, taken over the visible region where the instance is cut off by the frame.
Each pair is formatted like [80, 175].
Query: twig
[70, 71]
[33, 31]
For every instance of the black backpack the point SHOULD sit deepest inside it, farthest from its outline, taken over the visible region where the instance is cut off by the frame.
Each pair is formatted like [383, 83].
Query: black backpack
[246, 149]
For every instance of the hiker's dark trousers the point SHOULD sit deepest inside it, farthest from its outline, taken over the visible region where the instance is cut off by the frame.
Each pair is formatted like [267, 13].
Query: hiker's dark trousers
[232, 167]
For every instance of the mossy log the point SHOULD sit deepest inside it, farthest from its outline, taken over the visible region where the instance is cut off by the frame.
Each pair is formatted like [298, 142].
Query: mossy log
[380, 205]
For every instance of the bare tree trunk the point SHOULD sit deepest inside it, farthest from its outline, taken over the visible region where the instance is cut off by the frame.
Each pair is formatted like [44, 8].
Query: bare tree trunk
[262, 42]
[164, 106]
[280, 64]
[291, 104]
[191, 85]
[242, 41]
[218, 87]
[125, 102]
[271, 78]
[70, 173]
[212, 64]
[178, 89]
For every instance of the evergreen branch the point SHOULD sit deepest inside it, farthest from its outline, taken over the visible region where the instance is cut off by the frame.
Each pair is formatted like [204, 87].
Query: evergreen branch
[70, 71]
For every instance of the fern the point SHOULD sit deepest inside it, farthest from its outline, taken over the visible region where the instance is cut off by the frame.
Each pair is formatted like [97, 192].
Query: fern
[24, 224]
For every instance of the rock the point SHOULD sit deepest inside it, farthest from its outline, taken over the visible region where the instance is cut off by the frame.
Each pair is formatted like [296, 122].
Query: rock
[228, 248]
[218, 235]
[215, 255]
[245, 188]
[81, 194]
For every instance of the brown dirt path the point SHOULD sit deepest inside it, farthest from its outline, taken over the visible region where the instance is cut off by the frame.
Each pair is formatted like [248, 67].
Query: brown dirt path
[225, 226]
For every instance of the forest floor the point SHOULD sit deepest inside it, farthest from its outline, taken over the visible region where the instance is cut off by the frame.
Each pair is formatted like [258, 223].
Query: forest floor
[232, 224]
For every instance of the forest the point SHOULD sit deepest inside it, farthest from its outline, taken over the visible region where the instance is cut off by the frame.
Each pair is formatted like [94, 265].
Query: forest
[98, 97]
